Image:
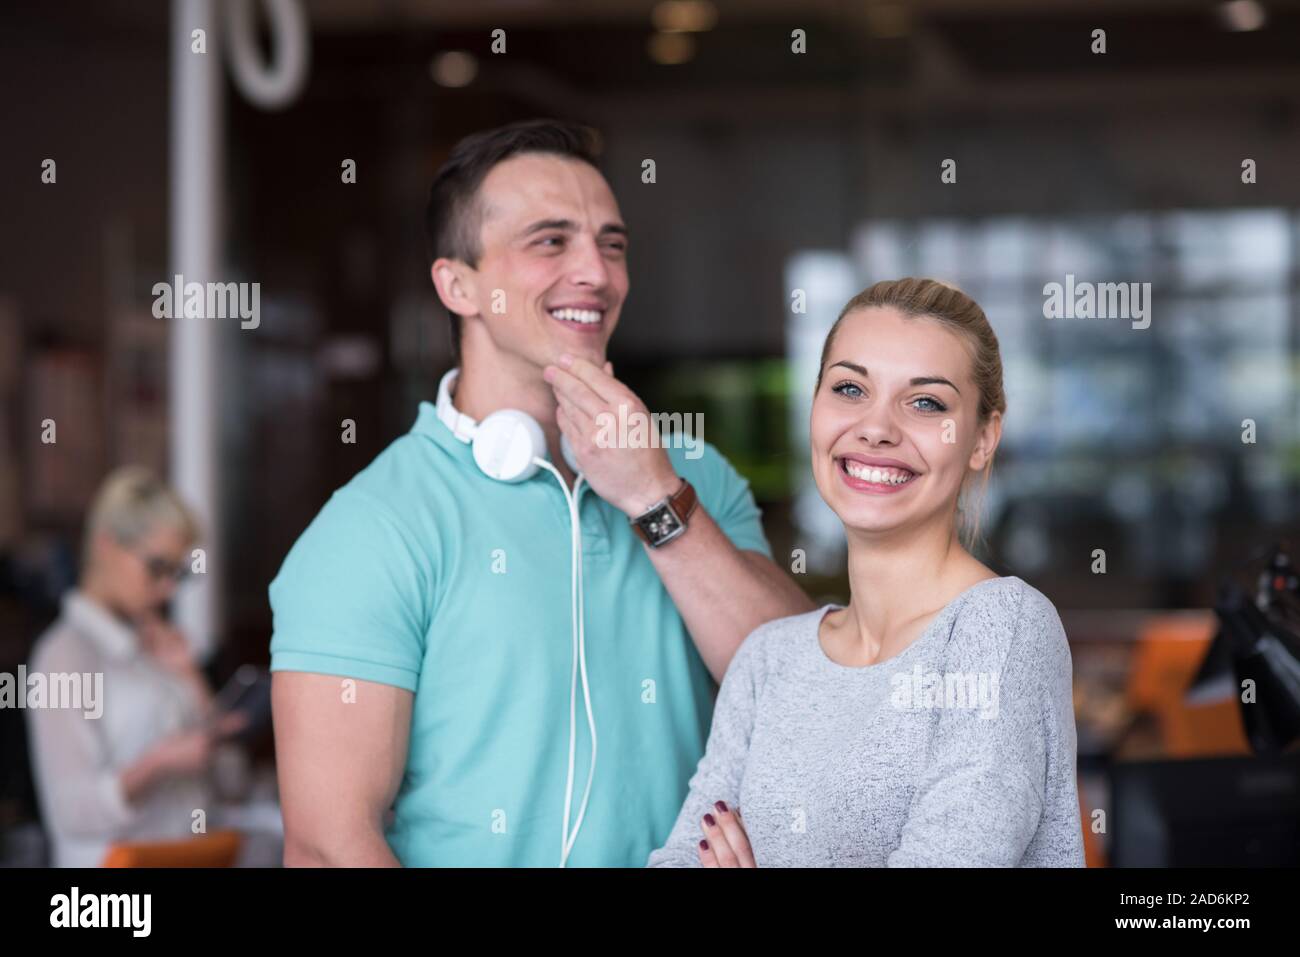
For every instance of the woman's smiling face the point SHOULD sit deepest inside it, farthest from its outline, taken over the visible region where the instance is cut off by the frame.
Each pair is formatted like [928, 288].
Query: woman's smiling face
[895, 427]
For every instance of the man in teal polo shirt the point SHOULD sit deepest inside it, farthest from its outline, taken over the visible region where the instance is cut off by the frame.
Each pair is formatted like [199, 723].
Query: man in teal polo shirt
[424, 653]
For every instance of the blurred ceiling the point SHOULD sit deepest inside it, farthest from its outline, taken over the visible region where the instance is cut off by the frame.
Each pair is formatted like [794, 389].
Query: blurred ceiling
[381, 14]
[567, 51]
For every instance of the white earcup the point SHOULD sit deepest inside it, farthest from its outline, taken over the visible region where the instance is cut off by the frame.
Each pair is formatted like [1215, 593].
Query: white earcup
[505, 444]
[567, 451]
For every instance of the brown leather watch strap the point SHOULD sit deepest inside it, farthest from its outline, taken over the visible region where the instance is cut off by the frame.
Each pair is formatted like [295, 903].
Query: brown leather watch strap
[685, 500]
[683, 503]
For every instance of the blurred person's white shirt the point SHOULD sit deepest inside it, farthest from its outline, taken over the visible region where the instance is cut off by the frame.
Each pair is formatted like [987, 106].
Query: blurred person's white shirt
[77, 761]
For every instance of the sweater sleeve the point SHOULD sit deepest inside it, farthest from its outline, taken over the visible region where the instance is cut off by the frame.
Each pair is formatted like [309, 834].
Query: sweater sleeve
[980, 799]
[717, 777]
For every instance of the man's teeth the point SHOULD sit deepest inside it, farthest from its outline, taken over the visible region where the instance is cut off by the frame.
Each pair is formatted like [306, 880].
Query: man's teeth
[586, 316]
[880, 476]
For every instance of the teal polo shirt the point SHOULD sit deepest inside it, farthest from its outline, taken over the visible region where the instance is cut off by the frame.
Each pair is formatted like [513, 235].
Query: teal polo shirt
[423, 573]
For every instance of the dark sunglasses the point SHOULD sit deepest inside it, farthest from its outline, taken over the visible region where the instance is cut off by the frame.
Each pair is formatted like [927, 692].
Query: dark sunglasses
[160, 568]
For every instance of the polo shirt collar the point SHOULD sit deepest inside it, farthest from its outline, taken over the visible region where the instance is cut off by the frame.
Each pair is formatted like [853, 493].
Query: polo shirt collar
[429, 425]
[109, 633]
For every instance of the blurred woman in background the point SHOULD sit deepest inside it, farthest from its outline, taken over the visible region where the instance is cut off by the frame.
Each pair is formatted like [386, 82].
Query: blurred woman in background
[137, 771]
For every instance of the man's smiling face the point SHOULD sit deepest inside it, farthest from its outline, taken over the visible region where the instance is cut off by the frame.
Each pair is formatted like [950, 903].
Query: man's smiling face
[552, 276]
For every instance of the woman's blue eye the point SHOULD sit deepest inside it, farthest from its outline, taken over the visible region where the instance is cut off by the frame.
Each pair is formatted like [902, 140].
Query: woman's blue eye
[852, 390]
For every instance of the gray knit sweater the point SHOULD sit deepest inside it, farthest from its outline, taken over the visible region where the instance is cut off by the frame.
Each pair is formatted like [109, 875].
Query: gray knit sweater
[959, 751]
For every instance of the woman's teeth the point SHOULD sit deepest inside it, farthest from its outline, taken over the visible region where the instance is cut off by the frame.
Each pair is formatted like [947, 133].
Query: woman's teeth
[886, 476]
[585, 316]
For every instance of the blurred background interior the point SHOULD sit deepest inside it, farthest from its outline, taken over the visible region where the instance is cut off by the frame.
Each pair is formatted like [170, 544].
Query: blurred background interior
[775, 171]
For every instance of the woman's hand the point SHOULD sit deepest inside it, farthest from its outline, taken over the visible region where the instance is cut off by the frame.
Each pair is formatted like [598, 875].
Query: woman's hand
[185, 752]
[725, 842]
[166, 645]
[182, 753]
[228, 725]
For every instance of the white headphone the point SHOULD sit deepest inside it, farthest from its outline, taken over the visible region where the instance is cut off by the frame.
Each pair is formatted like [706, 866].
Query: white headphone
[509, 446]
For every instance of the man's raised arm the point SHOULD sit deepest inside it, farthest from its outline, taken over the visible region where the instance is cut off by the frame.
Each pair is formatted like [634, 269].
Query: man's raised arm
[722, 592]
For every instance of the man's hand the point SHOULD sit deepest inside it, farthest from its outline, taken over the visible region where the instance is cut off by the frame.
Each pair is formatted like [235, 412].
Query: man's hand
[725, 842]
[630, 478]
[721, 592]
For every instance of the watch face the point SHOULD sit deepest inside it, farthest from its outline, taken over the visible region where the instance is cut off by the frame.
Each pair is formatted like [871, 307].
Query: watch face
[660, 524]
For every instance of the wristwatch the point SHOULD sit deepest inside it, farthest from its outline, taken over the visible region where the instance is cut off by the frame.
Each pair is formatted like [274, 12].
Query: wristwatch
[666, 519]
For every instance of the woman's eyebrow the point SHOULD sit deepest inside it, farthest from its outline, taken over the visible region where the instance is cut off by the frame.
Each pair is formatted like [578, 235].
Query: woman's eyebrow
[918, 380]
[935, 380]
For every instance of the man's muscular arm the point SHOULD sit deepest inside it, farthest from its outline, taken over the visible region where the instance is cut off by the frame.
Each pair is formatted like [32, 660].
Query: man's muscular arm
[339, 763]
[722, 592]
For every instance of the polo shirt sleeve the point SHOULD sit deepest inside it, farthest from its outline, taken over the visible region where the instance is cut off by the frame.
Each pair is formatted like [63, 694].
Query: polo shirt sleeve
[351, 598]
[725, 493]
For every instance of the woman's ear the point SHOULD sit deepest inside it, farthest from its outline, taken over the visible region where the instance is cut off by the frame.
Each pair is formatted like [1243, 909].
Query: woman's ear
[104, 547]
[104, 555]
[456, 285]
[990, 434]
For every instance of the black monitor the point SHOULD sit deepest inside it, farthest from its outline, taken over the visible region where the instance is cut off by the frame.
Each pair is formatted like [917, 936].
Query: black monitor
[1214, 812]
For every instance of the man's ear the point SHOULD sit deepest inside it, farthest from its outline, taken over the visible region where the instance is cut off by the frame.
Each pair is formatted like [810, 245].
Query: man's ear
[457, 286]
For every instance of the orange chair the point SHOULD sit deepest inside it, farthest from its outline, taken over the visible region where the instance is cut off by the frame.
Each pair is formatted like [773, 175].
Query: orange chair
[1169, 651]
[218, 849]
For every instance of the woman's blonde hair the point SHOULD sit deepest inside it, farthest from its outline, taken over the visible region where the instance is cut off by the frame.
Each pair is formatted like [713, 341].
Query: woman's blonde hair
[131, 503]
[952, 308]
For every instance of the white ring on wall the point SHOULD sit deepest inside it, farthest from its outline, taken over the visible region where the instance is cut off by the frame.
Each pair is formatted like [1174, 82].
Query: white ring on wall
[275, 85]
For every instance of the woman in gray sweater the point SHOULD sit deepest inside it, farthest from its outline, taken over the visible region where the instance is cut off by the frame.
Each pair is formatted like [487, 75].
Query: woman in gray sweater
[929, 722]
